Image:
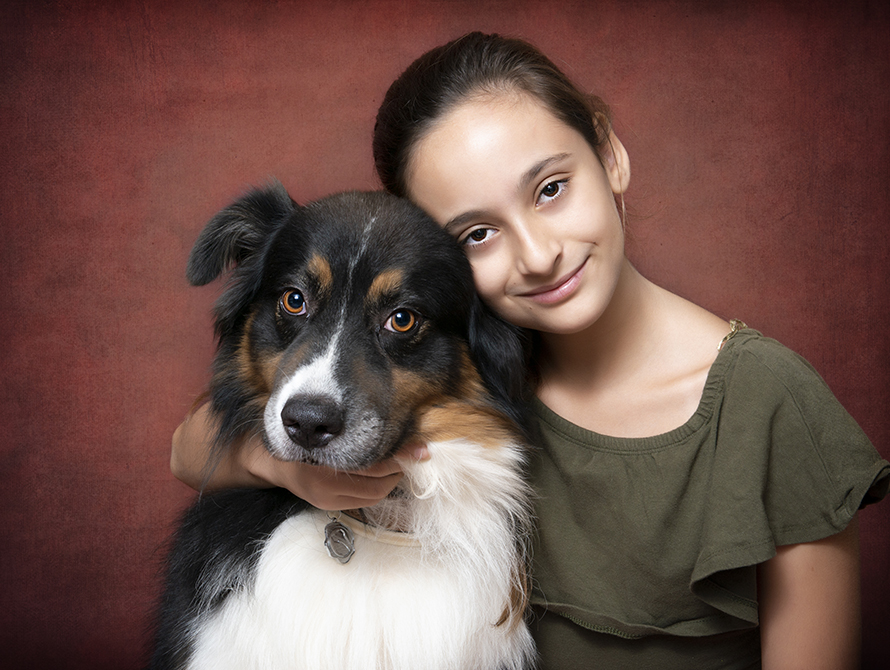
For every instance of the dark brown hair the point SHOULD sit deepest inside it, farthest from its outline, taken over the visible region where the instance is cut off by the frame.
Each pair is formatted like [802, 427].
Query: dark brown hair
[475, 64]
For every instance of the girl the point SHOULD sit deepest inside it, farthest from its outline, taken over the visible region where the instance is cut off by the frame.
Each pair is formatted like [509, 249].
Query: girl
[698, 483]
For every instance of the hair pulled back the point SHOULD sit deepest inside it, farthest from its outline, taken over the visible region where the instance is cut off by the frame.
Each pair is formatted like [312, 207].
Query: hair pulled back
[472, 65]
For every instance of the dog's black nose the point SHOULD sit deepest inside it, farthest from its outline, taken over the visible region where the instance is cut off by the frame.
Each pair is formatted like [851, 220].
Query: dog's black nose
[312, 422]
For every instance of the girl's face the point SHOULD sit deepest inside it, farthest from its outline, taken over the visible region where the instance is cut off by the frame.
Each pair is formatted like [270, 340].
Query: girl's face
[532, 205]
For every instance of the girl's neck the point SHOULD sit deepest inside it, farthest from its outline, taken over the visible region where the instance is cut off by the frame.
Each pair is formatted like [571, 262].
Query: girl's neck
[613, 347]
[639, 370]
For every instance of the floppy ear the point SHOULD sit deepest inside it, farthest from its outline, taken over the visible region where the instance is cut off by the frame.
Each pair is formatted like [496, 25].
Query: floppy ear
[238, 232]
[502, 352]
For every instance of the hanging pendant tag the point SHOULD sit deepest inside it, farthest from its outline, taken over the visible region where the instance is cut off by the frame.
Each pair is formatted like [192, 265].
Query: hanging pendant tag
[339, 541]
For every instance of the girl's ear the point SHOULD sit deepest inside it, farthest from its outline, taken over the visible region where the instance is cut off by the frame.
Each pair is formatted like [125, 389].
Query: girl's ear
[617, 164]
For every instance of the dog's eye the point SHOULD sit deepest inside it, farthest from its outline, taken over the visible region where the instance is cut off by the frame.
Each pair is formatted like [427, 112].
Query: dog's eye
[293, 302]
[401, 321]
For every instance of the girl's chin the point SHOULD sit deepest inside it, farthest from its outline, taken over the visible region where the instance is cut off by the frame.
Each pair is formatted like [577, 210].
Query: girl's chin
[568, 323]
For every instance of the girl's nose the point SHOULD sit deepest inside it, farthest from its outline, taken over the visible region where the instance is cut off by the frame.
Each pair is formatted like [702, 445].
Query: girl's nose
[537, 249]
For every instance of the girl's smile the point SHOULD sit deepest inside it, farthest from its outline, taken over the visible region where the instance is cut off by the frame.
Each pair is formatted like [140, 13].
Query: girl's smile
[561, 289]
[532, 205]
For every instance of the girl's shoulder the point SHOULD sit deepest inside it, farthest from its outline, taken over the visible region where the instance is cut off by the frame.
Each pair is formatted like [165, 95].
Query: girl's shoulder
[774, 405]
[751, 360]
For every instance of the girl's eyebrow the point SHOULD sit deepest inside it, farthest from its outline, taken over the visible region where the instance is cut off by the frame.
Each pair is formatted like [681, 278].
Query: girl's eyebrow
[462, 219]
[527, 178]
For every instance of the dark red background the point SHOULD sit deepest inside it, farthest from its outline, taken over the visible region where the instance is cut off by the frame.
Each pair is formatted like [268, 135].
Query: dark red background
[758, 134]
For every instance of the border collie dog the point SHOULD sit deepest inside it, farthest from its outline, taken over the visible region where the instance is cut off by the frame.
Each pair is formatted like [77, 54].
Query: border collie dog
[349, 326]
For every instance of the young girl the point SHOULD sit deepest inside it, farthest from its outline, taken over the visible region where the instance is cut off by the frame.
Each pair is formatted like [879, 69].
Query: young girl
[698, 483]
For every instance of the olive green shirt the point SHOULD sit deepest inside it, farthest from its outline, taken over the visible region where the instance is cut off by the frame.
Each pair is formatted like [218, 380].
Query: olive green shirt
[647, 548]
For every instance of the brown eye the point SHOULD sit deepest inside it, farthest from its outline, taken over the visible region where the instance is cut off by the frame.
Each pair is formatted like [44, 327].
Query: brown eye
[550, 189]
[477, 236]
[293, 302]
[401, 321]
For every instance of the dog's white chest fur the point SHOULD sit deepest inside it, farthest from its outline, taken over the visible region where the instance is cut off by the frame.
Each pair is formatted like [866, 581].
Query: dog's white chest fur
[391, 607]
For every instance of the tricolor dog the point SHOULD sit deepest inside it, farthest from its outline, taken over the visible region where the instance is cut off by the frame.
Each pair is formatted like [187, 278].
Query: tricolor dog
[349, 326]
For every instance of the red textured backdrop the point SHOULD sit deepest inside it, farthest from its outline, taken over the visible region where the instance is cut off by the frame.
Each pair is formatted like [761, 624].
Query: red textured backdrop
[758, 134]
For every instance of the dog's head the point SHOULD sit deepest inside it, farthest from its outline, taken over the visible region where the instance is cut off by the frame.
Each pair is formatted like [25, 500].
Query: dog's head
[343, 319]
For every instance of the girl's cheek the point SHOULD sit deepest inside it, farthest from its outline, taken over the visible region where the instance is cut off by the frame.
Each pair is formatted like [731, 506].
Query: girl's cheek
[479, 277]
[488, 285]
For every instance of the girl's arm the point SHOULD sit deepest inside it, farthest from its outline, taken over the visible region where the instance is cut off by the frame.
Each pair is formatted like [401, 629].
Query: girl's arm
[249, 464]
[810, 604]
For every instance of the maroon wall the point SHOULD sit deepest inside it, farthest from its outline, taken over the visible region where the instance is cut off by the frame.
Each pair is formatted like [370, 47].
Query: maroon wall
[758, 134]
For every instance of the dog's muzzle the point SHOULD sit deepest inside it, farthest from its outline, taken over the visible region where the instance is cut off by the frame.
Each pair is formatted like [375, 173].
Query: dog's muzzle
[311, 422]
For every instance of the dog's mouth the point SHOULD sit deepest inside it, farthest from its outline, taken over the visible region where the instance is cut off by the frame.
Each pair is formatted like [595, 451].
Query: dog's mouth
[332, 459]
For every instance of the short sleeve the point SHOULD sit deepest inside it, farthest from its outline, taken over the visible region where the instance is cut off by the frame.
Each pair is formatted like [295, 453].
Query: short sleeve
[790, 466]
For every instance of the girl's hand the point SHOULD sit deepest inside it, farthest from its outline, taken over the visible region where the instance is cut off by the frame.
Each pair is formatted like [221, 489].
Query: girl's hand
[249, 464]
[324, 487]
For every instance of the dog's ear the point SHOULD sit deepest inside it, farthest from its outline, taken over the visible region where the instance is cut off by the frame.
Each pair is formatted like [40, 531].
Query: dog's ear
[237, 232]
[502, 353]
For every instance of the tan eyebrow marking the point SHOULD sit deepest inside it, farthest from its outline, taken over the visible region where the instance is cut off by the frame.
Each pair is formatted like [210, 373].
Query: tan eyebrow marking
[387, 282]
[319, 267]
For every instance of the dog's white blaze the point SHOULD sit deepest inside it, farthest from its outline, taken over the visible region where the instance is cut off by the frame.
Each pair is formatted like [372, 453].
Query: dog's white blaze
[433, 606]
[363, 245]
[315, 378]
[364, 240]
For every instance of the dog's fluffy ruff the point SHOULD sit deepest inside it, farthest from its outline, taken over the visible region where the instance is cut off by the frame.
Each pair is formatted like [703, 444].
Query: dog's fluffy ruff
[464, 496]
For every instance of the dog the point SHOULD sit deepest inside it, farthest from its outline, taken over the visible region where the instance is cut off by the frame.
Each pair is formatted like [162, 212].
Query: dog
[349, 326]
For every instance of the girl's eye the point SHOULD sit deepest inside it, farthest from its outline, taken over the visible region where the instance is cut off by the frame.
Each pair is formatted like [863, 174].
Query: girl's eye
[401, 321]
[477, 236]
[293, 302]
[552, 190]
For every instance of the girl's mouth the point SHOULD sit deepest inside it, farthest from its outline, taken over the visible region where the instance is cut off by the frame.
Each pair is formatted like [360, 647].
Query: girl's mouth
[559, 290]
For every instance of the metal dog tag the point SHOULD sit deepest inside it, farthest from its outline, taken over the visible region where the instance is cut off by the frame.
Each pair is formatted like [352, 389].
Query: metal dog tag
[339, 541]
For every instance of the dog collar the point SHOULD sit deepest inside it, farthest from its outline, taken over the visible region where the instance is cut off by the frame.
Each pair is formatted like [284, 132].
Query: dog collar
[378, 534]
[340, 532]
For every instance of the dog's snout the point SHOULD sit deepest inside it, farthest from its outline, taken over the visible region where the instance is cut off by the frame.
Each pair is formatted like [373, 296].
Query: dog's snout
[311, 422]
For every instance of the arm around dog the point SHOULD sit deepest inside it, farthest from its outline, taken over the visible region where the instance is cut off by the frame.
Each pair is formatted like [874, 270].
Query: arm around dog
[250, 465]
